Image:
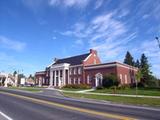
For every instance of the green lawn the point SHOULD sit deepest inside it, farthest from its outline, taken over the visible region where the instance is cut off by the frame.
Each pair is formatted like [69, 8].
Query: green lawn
[30, 89]
[72, 89]
[149, 92]
[117, 99]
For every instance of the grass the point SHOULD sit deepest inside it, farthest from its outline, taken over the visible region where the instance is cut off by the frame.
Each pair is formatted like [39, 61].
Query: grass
[72, 89]
[129, 91]
[30, 89]
[117, 99]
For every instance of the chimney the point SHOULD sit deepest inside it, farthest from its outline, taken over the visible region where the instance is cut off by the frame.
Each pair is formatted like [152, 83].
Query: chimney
[93, 51]
[55, 60]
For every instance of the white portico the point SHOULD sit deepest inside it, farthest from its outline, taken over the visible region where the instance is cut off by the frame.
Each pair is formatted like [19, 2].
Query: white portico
[59, 74]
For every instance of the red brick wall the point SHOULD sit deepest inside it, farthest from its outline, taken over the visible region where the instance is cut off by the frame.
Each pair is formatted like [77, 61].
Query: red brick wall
[93, 72]
[93, 57]
[77, 75]
[129, 73]
[124, 71]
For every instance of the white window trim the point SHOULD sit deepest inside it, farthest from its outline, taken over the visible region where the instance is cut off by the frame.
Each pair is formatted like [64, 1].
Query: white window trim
[70, 71]
[121, 78]
[79, 70]
[88, 79]
[74, 71]
[74, 81]
[79, 80]
[95, 61]
[125, 78]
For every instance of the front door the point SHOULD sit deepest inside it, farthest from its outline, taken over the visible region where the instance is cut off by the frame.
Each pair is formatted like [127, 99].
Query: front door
[98, 79]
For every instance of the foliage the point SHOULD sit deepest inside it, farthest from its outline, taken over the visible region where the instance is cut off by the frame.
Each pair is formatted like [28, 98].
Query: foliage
[123, 87]
[78, 86]
[137, 64]
[139, 75]
[145, 78]
[129, 59]
[31, 77]
[145, 69]
[110, 80]
[99, 88]
[14, 73]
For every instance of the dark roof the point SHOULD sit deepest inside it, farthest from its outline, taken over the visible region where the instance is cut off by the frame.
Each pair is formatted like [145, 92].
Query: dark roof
[75, 60]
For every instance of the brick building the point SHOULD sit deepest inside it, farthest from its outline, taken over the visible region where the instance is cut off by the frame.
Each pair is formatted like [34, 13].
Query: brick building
[84, 69]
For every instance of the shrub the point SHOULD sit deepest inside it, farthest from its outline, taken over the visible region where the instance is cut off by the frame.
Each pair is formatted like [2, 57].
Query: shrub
[123, 87]
[78, 86]
[110, 80]
[99, 87]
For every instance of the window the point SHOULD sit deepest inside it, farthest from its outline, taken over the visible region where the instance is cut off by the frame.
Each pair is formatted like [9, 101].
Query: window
[74, 71]
[79, 81]
[94, 61]
[121, 78]
[88, 79]
[43, 80]
[79, 70]
[125, 78]
[70, 72]
[69, 82]
[74, 81]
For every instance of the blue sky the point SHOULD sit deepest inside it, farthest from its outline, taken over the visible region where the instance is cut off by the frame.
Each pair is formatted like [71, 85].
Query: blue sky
[33, 32]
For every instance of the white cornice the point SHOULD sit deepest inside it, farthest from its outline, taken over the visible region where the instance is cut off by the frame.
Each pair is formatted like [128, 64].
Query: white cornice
[87, 57]
[76, 65]
[109, 65]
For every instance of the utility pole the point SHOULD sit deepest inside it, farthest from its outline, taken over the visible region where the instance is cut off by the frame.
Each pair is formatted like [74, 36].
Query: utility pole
[158, 41]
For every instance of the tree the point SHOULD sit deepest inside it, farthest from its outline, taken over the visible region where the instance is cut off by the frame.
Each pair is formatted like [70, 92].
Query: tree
[110, 80]
[145, 69]
[138, 76]
[129, 59]
[137, 64]
[14, 73]
[31, 77]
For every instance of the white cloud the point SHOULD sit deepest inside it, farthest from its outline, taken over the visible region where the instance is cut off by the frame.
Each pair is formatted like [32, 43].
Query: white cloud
[151, 50]
[150, 8]
[54, 2]
[98, 4]
[69, 3]
[103, 33]
[11, 44]
[145, 16]
[123, 13]
[54, 38]
[35, 5]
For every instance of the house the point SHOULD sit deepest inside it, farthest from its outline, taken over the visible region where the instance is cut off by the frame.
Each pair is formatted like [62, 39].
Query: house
[7, 79]
[84, 69]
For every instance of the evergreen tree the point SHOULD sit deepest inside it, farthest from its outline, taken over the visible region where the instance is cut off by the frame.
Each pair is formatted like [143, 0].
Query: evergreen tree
[129, 59]
[14, 73]
[145, 69]
[137, 64]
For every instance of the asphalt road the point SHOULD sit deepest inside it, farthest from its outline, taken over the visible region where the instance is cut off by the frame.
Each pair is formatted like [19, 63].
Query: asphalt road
[27, 106]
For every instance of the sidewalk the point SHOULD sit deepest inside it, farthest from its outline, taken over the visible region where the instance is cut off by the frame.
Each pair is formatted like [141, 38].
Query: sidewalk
[88, 92]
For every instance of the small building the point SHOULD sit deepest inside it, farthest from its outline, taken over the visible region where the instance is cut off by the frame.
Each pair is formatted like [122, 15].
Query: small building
[22, 81]
[7, 79]
[84, 69]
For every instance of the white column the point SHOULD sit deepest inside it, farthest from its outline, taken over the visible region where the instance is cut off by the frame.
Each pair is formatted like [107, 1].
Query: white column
[40, 81]
[96, 82]
[16, 80]
[51, 78]
[69, 82]
[55, 78]
[59, 80]
[64, 77]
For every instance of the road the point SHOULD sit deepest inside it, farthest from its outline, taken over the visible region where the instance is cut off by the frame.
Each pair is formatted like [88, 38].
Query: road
[19, 105]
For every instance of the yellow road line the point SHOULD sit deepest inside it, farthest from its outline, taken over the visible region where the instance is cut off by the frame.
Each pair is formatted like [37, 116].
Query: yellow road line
[102, 114]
